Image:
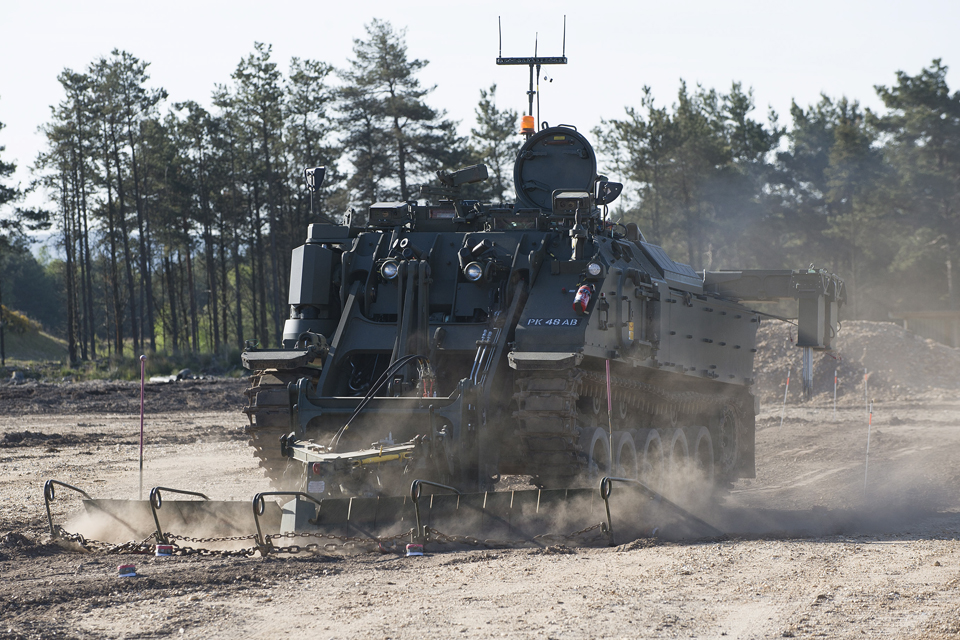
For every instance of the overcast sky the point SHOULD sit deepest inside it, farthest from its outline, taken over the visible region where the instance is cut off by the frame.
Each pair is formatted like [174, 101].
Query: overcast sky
[784, 50]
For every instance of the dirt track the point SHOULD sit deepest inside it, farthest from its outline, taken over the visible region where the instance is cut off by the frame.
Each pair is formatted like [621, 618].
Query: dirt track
[807, 555]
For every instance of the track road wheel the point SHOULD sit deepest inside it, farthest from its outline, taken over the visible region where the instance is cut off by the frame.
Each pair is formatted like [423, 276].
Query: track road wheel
[598, 455]
[652, 463]
[628, 463]
[677, 453]
[728, 430]
[268, 410]
[702, 454]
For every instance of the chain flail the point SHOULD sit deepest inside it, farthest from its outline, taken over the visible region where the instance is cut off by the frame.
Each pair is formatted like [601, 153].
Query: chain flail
[434, 535]
[173, 536]
[335, 542]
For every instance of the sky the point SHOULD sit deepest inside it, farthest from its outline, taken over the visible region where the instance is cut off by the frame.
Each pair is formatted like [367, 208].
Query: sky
[783, 50]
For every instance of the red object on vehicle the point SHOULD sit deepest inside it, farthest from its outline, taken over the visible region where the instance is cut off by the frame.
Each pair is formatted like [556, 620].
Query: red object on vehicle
[582, 299]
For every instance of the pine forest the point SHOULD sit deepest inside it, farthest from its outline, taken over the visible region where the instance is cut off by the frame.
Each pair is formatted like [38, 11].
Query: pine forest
[173, 223]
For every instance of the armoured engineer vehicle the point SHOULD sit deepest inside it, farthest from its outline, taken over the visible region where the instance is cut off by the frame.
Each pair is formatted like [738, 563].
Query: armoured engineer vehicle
[461, 341]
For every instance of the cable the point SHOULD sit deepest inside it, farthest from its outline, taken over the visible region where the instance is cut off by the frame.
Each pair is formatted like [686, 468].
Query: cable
[396, 366]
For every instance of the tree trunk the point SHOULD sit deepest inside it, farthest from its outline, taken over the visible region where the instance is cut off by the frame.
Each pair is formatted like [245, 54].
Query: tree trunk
[88, 278]
[401, 160]
[212, 301]
[194, 327]
[172, 301]
[3, 347]
[127, 257]
[258, 275]
[274, 231]
[146, 279]
[114, 275]
[75, 222]
[238, 288]
[67, 241]
[224, 302]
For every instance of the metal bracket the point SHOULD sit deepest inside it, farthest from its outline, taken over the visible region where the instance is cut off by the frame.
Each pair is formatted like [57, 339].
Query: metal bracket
[416, 489]
[259, 506]
[606, 488]
[49, 493]
[156, 501]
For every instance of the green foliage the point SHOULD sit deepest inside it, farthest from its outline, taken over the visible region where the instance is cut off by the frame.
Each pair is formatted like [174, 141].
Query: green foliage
[33, 346]
[495, 142]
[697, 171]
[16, 322]
[921, 128]
[874, 197]
[31, 288]
[164, 364]
[42, 357]
[389, 129]
[7, 193]
[174, 222]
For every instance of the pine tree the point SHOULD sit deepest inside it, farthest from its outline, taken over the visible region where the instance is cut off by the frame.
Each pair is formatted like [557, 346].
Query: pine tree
[393, 136]
[496, 142]
[8, 226]
[259, 99]
[923, 127]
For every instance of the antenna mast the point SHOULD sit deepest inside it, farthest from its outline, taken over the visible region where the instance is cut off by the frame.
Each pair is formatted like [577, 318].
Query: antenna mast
[536, 61]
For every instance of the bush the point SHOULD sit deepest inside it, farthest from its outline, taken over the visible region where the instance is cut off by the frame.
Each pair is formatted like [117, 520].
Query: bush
[16, 322]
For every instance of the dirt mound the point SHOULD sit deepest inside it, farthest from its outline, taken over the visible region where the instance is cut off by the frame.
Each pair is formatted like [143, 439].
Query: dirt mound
[898, 363]
[33, 439]
[114, 396]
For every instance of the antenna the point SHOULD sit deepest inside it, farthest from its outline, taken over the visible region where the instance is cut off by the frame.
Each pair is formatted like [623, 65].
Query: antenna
[536, 61]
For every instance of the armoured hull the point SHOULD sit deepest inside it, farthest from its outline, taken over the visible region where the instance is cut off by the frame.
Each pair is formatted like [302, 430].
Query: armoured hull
[533, 338]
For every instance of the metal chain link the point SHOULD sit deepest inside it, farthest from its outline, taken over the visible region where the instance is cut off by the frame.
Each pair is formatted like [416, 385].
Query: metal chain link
[330, 536]
[131, 546]
[351, 543]
[439, 536]
[173, 536]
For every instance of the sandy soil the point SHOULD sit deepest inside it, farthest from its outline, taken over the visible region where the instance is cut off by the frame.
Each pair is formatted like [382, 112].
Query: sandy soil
[807, 552]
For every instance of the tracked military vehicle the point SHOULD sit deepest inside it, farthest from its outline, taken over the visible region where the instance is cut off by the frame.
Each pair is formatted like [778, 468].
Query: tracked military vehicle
[462, 342]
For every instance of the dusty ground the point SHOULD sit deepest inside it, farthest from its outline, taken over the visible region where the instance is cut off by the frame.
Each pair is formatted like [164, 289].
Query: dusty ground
[807, 553]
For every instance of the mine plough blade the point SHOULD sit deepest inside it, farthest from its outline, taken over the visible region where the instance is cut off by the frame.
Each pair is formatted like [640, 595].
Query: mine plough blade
[431, 514]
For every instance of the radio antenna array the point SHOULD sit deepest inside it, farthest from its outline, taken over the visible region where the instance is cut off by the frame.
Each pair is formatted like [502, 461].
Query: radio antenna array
[535, 62]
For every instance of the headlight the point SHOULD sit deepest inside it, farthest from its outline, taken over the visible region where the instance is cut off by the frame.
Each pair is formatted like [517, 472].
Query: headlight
[389, 269]
[594, 269]
[473, 271]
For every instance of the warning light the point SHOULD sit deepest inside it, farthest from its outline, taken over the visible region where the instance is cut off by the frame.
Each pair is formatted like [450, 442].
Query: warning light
[527, 125]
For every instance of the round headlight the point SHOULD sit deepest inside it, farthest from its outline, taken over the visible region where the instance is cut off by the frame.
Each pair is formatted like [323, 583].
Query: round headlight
[594, 269]
[389, 269]
[473, 271]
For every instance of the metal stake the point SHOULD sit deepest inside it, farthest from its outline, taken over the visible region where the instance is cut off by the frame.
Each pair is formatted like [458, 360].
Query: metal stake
[783, 412]
[835, 395]
[807, 376]
[143, 360]
[866, 465]
[610, 417]
[866, 397]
